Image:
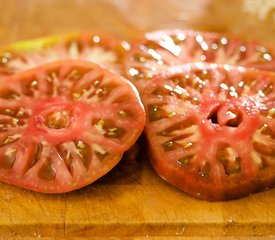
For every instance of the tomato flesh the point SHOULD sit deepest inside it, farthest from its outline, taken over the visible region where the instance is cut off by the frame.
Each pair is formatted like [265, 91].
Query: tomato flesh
[64, 125]
[102, 50]
[157, 51]
[211, 129]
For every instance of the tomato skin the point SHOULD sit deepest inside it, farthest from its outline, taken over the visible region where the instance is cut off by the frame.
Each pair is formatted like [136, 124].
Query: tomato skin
[207, 136]
[65, 124]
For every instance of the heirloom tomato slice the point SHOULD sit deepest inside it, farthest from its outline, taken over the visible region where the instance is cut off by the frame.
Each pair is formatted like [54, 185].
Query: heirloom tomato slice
[65, 124]
[28, 54]
[211, 129]
[157, 51]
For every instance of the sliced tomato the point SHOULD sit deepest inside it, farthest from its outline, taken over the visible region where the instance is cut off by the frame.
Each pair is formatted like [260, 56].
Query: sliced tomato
[159, 50]
[211, 129]
[98, 49]
[65, 124]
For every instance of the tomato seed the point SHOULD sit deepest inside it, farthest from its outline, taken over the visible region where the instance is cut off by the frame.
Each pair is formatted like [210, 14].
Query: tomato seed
[155, 113]
[75, 75]
[268, 89]
[22, 113]
[169, 146]
[115, 132]
[235, 118]
[84, 152]
[171, 114]
[266, 130]
[122, 113]
[10, 139]
[260, 161]
[76, 95]
[98, 149]
[9, 94]
[188, 145]
[204, 170]
[264, 148]
[96, 83]
[271, 113]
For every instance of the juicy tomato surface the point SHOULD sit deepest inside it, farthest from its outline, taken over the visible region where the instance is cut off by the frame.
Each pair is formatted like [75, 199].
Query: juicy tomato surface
[65, 124]
[99, 49]
[157, 51]
[211, 129]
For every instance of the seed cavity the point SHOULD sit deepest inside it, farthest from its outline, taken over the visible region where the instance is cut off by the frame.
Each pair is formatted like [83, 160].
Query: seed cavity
[169, 146]
[264, 148]
[155, 113]
[261, 161]
[84, 152]
[266, 130]
[108, 128]
[38, 148]
[58, 120]
[175, 128]
[9, 94]
[271, 113]
[233, 117]
[75, 75]
[6, 124]
[8, 159]
[204, 170]
[100, 152]
[47, 171]
[268, 89]
[65, 153]
[10, 139]
[30, 88]
[185, 160]
[229, 159]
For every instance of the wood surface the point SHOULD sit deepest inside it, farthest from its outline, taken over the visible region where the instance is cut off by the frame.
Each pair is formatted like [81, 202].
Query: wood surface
[131, 201]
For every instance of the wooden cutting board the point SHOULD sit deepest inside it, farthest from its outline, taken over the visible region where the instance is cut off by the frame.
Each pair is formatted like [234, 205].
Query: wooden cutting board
[131, 201]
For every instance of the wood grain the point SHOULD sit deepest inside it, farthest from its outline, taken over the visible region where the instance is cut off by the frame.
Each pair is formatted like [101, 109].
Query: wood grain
[131, 201]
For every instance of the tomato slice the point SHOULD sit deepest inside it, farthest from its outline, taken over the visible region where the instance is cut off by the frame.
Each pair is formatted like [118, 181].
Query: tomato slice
[157, 51]
[211, 129]
[98, 49]
[65, 124]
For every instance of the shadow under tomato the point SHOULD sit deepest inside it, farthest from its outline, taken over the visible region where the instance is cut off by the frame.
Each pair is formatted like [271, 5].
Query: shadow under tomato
[128, 170]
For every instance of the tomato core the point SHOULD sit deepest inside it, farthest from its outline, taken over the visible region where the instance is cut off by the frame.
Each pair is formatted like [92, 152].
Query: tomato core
[58, 119]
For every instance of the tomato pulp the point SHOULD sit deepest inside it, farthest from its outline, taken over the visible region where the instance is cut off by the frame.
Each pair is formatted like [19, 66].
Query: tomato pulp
[159, 50]
[65, 124]
[211, 129]
[103, 50]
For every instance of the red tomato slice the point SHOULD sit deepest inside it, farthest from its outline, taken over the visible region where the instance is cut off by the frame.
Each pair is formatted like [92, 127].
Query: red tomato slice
[211, 129]
[98, 49]
[159, 50]
[65, 124]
